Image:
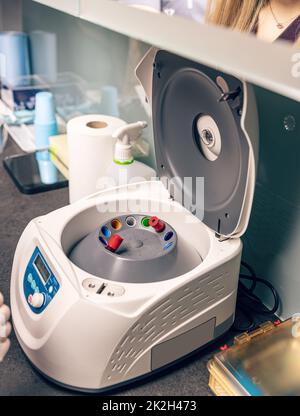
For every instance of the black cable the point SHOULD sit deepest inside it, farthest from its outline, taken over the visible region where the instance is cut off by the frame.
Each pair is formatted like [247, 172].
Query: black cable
[248, 303]
[252, 272]
[257, 299]
[249, 318]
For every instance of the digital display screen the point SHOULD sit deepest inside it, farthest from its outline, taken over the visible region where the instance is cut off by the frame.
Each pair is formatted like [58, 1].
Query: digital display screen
[42, 269]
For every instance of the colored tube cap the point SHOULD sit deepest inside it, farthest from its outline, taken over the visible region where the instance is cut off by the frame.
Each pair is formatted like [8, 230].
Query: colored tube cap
[114, 243]
[157, 224]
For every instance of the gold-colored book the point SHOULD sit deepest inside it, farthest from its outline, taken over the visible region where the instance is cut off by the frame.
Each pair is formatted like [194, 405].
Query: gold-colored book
[265, 362]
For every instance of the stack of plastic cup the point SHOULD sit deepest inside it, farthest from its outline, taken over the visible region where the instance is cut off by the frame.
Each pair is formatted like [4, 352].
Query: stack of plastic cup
[48, 172]
[45, 124]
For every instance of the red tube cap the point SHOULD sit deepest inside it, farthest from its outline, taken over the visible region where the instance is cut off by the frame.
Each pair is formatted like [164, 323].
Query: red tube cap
[157, 224]
[114, 243]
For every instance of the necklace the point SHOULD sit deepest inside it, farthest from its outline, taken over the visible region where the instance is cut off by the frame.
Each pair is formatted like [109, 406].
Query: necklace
[281, 25]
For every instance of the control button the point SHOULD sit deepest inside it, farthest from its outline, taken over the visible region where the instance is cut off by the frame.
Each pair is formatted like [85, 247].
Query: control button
[113, 291]
[29, 278]
[36, 300]
[33, 285]
[50, 290]
[36, 290]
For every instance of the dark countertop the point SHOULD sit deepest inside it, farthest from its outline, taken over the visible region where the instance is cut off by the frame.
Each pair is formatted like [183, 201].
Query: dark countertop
[17, 377]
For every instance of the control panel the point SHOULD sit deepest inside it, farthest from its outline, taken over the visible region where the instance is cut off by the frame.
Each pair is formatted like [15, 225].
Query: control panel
[40, 284]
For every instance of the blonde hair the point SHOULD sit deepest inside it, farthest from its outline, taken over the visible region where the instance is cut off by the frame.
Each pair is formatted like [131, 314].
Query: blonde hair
[238, 14]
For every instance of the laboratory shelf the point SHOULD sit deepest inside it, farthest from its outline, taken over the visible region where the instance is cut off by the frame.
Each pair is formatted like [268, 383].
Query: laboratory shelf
[269, 66]
[68, 6]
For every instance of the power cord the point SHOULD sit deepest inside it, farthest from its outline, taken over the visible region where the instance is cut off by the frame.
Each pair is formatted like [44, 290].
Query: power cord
[249, 304]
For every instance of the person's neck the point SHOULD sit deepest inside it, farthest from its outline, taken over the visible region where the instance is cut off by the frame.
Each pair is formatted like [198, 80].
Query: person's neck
[286, 8]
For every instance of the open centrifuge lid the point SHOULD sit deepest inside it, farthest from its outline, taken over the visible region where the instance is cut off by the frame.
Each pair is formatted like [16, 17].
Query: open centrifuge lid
[205, 126]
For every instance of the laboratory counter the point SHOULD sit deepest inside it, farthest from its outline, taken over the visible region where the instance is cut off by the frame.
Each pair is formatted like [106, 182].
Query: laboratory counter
[17, 377]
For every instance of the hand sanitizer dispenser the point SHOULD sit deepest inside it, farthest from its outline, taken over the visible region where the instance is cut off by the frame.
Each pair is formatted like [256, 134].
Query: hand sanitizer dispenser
[124, 169]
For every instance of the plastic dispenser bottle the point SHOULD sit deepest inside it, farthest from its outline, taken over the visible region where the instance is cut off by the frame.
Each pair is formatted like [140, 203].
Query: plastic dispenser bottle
[124, 169]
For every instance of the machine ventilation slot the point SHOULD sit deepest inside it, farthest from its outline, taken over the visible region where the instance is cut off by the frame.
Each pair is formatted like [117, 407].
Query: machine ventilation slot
[165, 317]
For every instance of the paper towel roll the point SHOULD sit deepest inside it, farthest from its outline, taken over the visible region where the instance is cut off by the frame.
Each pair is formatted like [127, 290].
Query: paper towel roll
[91, 148]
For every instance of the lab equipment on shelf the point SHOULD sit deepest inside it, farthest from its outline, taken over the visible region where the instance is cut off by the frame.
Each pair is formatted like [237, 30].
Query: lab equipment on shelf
[14, 58]
[43, 52]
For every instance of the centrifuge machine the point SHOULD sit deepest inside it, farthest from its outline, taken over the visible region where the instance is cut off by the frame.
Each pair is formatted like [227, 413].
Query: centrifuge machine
[132, 279]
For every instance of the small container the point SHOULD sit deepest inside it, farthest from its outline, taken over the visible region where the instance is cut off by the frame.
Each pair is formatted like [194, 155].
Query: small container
[158, 225]
[114, 243]
[124, 169]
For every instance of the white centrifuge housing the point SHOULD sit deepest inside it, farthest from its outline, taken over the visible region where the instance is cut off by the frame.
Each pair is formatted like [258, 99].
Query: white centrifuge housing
[93, 328]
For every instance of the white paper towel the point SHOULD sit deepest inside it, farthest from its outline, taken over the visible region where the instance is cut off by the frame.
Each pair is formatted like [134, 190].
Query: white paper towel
[91, 149]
